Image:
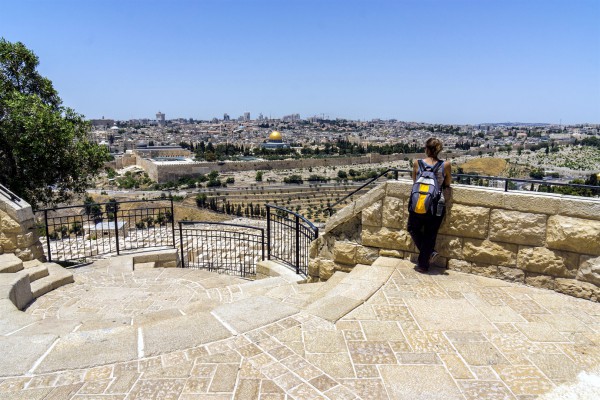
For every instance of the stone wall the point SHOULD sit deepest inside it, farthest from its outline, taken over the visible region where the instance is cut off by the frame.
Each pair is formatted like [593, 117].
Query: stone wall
[17, 229]
[543, 240]
[164, 172]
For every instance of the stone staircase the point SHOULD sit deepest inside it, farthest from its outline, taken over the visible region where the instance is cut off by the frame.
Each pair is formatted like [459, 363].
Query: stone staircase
[227, 311]
[22, 282]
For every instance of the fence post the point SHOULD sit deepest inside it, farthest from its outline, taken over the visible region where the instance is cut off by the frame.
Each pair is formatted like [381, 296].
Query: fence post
[180, 242]
[173, 223]
[116, 229]
[297, 244]
[262, 234]
[396, 174]
[506, 185]
[268, 231]
[47, 235]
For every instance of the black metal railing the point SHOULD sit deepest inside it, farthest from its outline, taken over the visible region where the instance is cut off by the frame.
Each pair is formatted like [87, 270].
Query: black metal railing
[77, 233]
[8, 194]
[221, 247]
[508, 184]
[289, 236]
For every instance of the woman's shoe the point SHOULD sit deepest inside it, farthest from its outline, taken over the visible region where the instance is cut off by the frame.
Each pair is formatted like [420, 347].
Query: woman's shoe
[421, 270]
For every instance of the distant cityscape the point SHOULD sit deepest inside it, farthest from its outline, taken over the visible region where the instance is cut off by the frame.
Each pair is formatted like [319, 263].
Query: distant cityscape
[298, 132]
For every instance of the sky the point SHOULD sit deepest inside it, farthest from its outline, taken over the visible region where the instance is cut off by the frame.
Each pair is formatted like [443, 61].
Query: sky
[436, 61]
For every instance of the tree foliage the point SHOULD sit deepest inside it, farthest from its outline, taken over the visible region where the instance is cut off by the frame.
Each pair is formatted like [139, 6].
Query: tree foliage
[45, 154]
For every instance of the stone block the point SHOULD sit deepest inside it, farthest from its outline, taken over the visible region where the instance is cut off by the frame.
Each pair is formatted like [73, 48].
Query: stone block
[511, 274]
[539, 280]
[518, 227]
[366, 255]
[326, 269]
[313, 267]
[345, 252]
[395, 239]
[25, 240]
[532, 202]
[168, 264]
[449, 246]
[16, 288]
[579, 207]
[475, 196]
[482, 269]
[340, 217]
[488, 252]
[391, 253]
[573, 234]
[589, 270]
[459, 265]
[8, 242]
[8, 224]
[371, 216]
[466, 221]
[577, 288]
[548, 262]
[369, 198]
[400, 189]
[394, 214]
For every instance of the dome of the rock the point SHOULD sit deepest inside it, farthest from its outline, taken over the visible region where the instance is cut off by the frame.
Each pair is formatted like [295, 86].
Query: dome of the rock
[275, 136]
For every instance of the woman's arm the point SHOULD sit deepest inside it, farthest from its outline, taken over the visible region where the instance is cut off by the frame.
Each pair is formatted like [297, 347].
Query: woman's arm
[447, 174]
[415, 169]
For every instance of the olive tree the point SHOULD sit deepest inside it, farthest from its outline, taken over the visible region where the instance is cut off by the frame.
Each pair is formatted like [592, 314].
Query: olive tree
[46, 155]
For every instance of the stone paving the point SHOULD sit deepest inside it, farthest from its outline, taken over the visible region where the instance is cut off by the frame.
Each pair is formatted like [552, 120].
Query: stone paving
[442, 336]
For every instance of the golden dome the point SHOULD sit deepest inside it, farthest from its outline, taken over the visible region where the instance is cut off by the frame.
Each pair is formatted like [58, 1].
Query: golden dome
[275, 136]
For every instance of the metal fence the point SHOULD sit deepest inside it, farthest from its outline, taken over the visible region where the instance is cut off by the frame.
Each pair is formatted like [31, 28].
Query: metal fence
[221, 247]
[508, 184]
[289, 236]
[77, 233]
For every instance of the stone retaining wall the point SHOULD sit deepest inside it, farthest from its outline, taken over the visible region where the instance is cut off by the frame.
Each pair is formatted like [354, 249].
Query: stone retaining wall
[543, 240]
[17, 230]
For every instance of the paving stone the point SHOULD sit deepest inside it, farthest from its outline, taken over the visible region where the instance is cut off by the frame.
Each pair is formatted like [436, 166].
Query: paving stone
[324, 342]
[371, 352]
[447, 314]
[181, 333]
[253, 313]
[22, 354]
[555, 366]
[88, 349]
[523, 380]
[419, 382]
[167, 389]
[480, 353]
[476, 390]
[336, 365]
[540, 332]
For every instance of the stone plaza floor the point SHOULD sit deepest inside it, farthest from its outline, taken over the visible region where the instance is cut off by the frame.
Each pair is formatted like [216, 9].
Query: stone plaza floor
[191, 334]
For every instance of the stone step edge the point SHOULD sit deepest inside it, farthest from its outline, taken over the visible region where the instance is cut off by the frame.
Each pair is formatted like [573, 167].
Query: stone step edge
[9, 263]
[358, 286]
[57, 277]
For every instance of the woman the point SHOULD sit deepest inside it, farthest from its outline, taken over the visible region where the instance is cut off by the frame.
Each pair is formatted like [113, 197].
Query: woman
[423, 228]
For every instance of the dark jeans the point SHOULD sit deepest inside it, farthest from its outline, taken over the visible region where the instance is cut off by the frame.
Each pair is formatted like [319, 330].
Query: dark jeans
[423, 229]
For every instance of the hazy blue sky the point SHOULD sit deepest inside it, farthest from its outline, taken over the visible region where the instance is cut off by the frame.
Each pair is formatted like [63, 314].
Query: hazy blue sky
[448, 61]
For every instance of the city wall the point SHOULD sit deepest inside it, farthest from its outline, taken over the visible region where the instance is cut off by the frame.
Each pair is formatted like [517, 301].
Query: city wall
[17, 229]
[542, 240]
[162, 172]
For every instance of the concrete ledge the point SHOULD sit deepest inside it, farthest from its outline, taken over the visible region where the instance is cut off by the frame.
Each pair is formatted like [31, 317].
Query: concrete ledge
[16, 288]
[9, 263]
[268, 268]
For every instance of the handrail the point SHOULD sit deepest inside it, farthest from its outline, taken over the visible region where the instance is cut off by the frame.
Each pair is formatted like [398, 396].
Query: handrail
[497, 178]
[295, 214]
[394, 170]
[10, 195]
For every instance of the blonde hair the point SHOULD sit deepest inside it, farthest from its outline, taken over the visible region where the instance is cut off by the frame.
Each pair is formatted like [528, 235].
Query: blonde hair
[433, 146]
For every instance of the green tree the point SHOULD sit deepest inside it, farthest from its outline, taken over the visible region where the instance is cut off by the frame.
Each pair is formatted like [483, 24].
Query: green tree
[45, 154]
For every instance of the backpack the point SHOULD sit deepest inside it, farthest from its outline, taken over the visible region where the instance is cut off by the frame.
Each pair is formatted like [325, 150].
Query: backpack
[426, 190]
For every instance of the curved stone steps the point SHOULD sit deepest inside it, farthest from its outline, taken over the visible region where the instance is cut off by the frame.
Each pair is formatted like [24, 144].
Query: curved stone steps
[9, 263]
